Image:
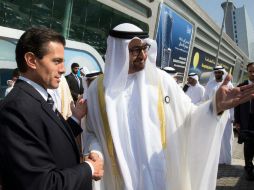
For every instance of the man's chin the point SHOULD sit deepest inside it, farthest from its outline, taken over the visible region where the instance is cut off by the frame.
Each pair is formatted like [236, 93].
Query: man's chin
[140, 65]
[139, 68]
[55, 86]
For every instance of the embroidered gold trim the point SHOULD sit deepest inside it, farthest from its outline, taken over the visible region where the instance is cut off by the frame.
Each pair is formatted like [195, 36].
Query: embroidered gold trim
[109, 140]
[161, 113]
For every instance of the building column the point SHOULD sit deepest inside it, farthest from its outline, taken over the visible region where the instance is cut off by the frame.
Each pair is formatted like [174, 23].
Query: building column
[67, 19]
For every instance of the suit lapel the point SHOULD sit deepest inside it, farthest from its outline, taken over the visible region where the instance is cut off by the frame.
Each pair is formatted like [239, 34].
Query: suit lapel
[33, 92]
[54, 117]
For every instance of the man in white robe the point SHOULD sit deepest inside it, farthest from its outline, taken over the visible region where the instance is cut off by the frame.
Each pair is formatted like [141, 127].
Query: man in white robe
[212, 86]
[150, 134]
[87, 77]
[10, 84]
[171, 71]
[194, 90]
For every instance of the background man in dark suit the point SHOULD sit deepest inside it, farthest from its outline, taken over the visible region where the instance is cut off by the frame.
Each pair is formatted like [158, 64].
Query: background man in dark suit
[37, 146]
[75, 82]
[244, 120]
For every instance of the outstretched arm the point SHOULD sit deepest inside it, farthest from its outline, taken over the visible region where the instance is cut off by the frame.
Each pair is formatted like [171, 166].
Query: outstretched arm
[227, 98]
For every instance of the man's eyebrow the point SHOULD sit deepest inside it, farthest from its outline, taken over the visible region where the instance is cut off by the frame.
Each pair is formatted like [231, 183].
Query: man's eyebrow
[58, 59]
[140, 46]
[136, 47]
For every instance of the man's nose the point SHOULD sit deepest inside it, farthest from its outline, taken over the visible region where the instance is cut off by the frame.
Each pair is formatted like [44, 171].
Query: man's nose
[62, 68]
[142, 53]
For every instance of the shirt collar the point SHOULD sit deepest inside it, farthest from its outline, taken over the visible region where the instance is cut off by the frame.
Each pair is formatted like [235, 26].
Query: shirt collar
[249, 82]
[43, 92]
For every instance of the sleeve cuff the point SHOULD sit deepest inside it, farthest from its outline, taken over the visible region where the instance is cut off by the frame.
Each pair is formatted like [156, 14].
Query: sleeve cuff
[214, 108]
[91, 166]
[75, 119]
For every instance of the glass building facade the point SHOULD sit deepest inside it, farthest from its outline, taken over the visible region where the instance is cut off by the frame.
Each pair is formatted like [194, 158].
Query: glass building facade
[85, 21]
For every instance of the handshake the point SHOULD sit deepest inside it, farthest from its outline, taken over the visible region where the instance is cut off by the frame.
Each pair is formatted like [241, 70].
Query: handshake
[96, 160]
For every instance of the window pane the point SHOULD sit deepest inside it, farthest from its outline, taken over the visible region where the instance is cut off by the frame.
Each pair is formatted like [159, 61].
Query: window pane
[91, 22]
[58, 14]
[7, 63]
[41, 12]
[15, 13]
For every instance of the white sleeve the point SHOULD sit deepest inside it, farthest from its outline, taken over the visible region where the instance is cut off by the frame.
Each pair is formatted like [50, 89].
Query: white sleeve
[93, 122]
[207, 92]
[194, 139]
[89, 139]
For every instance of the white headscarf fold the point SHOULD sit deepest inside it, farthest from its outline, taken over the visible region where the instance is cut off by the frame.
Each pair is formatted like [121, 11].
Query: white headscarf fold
[193, 76]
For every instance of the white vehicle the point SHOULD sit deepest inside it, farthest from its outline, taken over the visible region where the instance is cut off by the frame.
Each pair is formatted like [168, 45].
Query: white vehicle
[77, 52]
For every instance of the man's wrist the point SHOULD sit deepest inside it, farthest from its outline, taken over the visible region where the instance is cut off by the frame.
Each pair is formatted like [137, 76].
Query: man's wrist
[91, 166]
[75, 119]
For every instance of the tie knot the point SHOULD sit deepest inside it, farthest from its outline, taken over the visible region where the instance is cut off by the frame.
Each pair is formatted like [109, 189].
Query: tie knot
[50, 101]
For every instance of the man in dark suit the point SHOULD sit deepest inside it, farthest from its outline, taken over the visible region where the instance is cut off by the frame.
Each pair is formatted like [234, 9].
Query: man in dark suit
[75, 82]
[244, 120]
[37, 146]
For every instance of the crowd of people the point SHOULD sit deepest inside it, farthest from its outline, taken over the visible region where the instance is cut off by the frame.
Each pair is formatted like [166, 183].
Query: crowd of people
[132, 127]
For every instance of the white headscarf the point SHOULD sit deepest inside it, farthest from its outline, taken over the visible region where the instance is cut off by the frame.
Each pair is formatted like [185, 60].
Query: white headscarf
[218, 68]
[87, 75]
[193, 76]
[117, 59]
[170, 70]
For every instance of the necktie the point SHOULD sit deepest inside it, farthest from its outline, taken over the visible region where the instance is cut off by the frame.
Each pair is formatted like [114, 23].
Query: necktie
[50, 102]
[77, 80]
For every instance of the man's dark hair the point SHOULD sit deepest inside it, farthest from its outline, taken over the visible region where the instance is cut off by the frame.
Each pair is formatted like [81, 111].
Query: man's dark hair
[73, 65]
[35, 40]
[249, 64]
[15, 73]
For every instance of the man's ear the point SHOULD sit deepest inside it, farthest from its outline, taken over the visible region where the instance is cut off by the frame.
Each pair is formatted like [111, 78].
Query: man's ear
[30, 60]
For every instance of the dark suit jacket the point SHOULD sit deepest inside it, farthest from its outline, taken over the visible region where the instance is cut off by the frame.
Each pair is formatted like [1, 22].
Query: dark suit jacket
[74, 87]
[37, 150]
[242, 113]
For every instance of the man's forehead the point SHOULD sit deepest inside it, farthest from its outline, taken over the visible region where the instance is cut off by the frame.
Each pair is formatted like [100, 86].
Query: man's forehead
[136, 42]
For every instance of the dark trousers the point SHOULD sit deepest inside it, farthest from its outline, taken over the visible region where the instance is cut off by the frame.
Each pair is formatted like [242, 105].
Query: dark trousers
[0, 182]
[248, 155]
[249, 146]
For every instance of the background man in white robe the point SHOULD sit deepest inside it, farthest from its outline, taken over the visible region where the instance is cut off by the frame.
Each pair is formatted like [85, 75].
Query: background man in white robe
[212, 86]
[150, 134]
[194, 90]
[87, 77]
[10, 83]
[171, 71]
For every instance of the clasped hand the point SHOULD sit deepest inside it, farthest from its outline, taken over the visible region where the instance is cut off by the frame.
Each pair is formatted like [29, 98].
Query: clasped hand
[97, 163]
